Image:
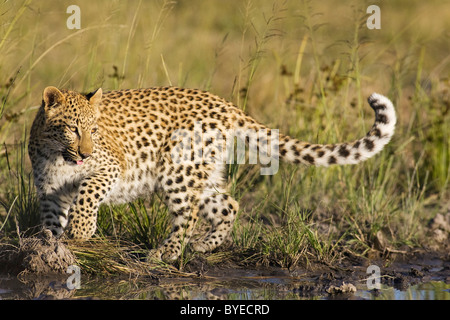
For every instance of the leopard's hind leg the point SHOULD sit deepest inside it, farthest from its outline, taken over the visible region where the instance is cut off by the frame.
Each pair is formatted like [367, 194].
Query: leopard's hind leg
[219, 210]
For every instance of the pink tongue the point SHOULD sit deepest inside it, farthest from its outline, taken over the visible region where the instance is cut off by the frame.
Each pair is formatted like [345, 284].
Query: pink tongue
[79, 162]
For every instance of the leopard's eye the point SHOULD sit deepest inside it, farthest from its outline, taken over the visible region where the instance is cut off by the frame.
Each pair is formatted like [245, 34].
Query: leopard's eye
[73, 129]
[93, 130]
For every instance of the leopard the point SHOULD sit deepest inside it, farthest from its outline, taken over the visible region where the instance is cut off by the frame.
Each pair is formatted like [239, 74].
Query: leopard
[113, 147]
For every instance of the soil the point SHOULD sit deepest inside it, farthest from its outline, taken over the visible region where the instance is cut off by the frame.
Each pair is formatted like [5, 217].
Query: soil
[40, 254]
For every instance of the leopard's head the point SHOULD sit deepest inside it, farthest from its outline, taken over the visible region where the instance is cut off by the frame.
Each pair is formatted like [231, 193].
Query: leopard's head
[71, 122]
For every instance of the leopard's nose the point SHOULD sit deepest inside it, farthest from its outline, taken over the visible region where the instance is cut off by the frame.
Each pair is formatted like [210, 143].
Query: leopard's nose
[85, 155]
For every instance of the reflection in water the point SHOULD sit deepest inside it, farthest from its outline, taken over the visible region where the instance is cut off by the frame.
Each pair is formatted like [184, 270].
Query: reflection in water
[250, 288]
[434, 290]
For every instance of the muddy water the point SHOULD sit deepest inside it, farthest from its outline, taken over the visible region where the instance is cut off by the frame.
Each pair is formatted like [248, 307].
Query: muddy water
[243, 285]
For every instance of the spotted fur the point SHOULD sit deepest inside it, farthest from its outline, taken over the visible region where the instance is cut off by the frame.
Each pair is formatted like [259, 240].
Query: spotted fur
[117, 146]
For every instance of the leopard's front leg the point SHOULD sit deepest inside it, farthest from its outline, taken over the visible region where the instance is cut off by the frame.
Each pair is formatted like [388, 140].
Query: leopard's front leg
[83, 212]
[54, 209]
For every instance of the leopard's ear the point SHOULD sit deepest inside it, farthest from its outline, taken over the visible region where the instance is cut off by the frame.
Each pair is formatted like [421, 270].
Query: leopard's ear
[95, 98]
[52, 97]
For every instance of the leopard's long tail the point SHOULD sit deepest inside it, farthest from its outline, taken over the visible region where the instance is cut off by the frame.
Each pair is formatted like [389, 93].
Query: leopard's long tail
[293, 150]
[296, 151]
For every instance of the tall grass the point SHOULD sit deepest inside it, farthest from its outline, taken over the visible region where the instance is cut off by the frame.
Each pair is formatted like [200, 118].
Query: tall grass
[302, 67]
[19, 199]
